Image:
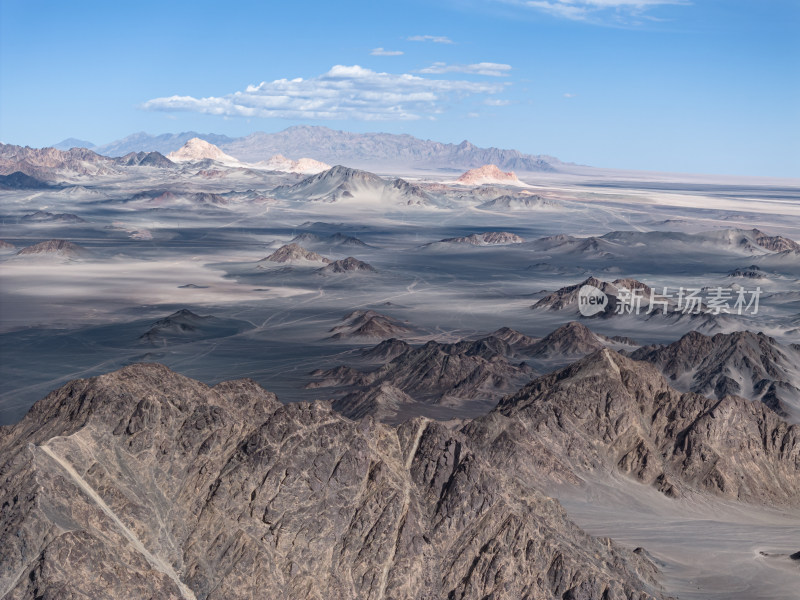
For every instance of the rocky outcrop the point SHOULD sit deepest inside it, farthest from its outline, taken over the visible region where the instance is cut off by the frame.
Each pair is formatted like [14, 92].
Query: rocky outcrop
[21, 181]
[572, 340]
[337, 239]
[566, 298]
[609, 413]
[488, 174]
[295, 254]
[775, 243]
[146, 484]
[489, 238]
[521, 202]
[41, 216]
[369, 323]
[436, 373]
[743, 363]
[49, 164]
[348, 265]
[184, 326]
[144, 159]
[345, 184]
[55, 248]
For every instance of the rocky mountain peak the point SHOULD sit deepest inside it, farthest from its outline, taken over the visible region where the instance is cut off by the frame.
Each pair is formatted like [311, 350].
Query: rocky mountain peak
[488, 174]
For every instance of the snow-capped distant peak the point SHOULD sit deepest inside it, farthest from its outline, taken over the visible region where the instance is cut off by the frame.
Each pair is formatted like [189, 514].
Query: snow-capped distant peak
[304, 166]
[196, 149]
[489, 174]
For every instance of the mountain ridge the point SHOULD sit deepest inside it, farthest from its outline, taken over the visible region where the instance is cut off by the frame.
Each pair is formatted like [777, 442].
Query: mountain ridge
[384, 151]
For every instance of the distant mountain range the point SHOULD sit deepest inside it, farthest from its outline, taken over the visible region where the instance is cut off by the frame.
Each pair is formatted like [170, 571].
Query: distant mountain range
[378, 151]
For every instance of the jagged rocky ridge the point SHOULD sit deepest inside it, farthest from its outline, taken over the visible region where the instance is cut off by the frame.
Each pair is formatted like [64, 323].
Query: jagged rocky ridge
[607, 413]
[752, 365]
[434, 373]
[347, 265]
[343, 183]
[454, 374]
[61, 248]
[295, 254]
[489, 238]
[369, 323]
[145, 484]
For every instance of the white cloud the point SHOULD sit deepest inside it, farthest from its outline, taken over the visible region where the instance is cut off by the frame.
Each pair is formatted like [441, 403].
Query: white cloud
[344, 92]
[384, 52]
[580, 10]
[436, 39]
[568, 95]
[496, 102]
[483, 68]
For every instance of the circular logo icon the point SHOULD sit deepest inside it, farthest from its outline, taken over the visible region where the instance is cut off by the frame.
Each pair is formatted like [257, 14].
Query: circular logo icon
[591, 300]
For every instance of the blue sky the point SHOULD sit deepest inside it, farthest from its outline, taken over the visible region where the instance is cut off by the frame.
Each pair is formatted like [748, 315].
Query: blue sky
[704, 86]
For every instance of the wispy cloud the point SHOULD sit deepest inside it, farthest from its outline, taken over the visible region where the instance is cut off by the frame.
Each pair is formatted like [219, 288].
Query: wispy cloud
[496, 102]
[385, 52]
[344, 92]
[436, 39]
[585, 10]
[482, 68]
[568, 95]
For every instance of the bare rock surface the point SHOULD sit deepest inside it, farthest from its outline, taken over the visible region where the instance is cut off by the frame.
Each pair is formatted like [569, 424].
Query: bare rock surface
[489, 238]
[341, 183]
[55, 247]
[434, 373]
[609, 413]
[369, 324]
[295, 254]
[752, 365]
[347, 265]
[145, 484]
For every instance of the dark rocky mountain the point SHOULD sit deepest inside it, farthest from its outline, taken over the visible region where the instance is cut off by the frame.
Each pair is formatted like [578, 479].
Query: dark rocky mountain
[566, 298]
[336, 239]
[144, 159]
[41, 216]
[347, 265]
[145, 484]
[21, 181]
[489, 238]
[573, 340]
[55, 247]
[386, 350]
[369, 323]
[434, 373]
[382, 401]
[520, 202]
[49, 164]
[743, 363]
[165, 198]
[185, 326]
[609, 413]
[343, 183]
[296, 254]
[775, 243]
[45, 165]
[751, 272]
